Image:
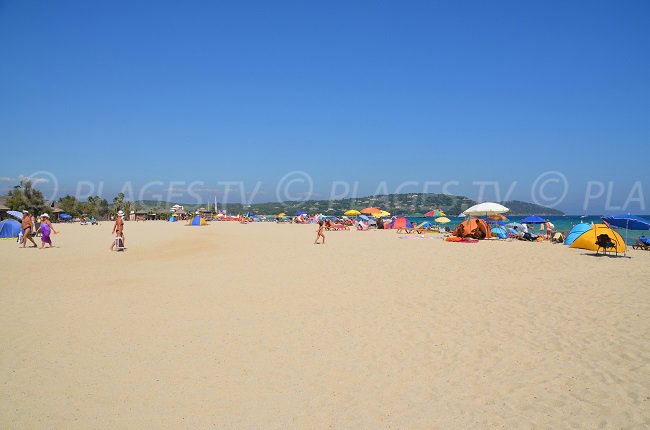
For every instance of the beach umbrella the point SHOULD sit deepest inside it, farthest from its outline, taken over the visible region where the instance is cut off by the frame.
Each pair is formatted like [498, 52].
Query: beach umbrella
[629, 222]
[497, 217]
[533, 220]
[15, 214]
[381, 214]
[435, 212]
[486, 209]
[370, 211]
[65, 216]
[282, 214]
[363, 217]
[576, 232]
[352, 212]
[301, 213]
[587, 240]
[401, 222]
[442, 220]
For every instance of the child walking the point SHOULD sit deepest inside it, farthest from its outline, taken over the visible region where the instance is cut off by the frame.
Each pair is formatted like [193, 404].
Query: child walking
[319, 233]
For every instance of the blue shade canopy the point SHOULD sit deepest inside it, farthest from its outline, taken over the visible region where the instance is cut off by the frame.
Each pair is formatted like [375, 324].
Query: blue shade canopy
[532, 220]
[630, 222]
[576, 232]
[65, 216]
[9, 229]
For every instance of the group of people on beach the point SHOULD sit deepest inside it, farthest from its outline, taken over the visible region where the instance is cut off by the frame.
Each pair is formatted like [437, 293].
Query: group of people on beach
[29, 230]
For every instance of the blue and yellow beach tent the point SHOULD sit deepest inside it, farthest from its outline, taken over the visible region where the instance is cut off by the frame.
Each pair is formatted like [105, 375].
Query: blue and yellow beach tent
[198, 220]
[9, 229]
[587, 240]
[576, 232]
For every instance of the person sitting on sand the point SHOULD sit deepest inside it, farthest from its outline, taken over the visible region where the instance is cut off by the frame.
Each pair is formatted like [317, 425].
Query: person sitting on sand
[27, 225]
[46, 228]
[480, 232]
[118, 229]
[320, 233]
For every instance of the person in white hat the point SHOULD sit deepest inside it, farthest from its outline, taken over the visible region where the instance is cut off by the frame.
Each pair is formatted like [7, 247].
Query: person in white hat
[46, 228]
[118, 228]
[28, 227]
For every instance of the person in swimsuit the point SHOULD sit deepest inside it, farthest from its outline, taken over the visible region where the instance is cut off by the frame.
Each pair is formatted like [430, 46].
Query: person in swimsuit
[320, 233]
[118, 229]
[46, 228]
[28, 227]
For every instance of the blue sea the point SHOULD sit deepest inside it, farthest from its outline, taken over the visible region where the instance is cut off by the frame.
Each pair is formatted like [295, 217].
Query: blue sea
[562, 223]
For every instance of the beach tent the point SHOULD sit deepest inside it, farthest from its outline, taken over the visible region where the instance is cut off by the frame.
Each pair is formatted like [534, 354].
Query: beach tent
[198, 220]
[533, 220]
[466, 227]
[401, 223]
[587, 240]
[576, 232]
[172, 219]
[499, 232]
[9, 229]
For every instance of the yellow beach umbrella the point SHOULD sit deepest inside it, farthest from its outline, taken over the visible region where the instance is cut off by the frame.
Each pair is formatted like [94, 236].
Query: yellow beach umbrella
[442, 220]
[352, 212]
[282, 214]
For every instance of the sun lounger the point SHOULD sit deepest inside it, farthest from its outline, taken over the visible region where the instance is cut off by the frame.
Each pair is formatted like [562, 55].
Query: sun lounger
[642, 243]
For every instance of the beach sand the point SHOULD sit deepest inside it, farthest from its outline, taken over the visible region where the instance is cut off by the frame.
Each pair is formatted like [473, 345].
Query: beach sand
[253, 326]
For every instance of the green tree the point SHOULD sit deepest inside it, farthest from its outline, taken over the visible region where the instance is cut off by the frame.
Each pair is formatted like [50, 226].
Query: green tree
[25, 196]
[69, 204]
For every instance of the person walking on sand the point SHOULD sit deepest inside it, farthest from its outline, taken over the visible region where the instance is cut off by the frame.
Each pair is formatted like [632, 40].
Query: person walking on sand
[118, 229]
[320, 233]
[27, 225]
[46, 228]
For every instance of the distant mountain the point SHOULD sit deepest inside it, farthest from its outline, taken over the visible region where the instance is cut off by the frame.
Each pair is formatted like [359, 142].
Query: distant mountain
[398, 204]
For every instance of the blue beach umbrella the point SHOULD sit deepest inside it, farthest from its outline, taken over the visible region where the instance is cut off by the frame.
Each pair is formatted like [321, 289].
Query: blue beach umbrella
[301, 213]
[629, 222]
[15, 214]
[65, 216]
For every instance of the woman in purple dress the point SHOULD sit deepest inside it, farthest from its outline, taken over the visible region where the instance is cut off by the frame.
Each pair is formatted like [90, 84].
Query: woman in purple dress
[45, 229]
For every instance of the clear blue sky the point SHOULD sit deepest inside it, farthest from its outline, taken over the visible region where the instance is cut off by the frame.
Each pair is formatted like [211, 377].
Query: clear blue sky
[365, 91]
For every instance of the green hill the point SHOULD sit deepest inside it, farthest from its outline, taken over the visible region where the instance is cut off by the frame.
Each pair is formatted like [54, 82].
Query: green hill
[399, 204]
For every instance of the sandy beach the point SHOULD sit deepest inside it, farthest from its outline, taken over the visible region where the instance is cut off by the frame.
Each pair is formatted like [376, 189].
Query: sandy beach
[253, 326]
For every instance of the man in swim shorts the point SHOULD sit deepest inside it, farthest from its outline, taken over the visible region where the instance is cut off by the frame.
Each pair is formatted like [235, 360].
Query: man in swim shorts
[27, 225]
